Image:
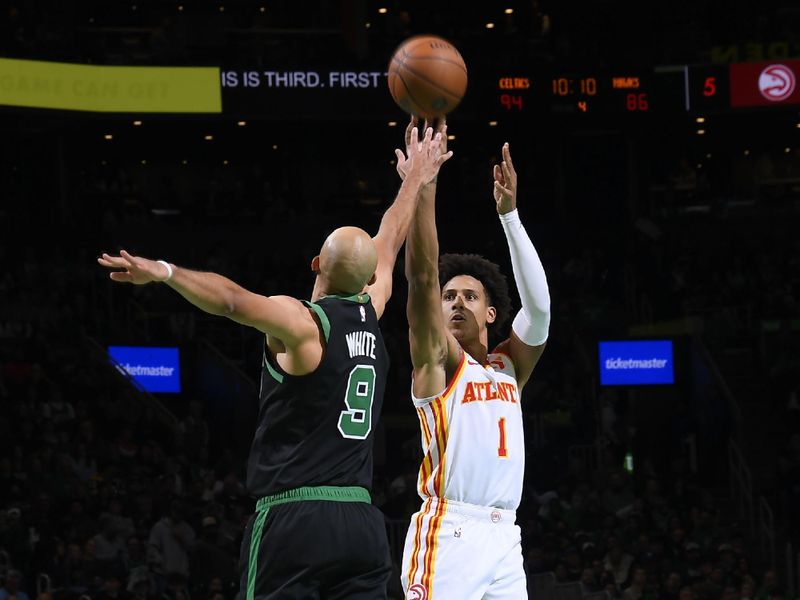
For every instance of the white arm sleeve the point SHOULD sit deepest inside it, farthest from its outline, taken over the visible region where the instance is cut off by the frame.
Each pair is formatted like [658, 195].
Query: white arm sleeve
[532, 322]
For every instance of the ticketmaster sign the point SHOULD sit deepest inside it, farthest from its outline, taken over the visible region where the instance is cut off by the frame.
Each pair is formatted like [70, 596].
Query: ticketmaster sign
[636, 362]
[154, 369]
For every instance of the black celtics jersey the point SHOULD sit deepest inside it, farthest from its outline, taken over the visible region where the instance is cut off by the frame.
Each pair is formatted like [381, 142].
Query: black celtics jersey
[317, 429]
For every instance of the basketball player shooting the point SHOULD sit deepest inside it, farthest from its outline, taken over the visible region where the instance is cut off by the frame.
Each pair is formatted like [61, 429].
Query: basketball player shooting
[315, 533]
[464, 542]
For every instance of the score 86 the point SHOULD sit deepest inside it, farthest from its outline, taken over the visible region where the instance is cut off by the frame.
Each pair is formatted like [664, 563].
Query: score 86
[511, 101]
[637, 102]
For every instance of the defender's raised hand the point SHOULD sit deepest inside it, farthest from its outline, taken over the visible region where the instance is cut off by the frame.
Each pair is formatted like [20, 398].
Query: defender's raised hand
[412, 141]
[505, 183]
[135, 269]
[425, 157]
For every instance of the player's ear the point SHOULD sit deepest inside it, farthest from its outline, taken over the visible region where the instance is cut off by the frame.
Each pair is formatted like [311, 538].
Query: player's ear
[373, 279]
[491, 314]
[315, 264]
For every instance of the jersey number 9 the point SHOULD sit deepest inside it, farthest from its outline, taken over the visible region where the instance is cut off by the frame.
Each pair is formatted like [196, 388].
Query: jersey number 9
[355, 422]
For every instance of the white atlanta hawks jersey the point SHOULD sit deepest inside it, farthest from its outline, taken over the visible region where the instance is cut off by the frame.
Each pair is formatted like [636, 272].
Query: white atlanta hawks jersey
[472, 436]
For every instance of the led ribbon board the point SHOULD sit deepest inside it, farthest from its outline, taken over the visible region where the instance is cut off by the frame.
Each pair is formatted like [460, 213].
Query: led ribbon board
[63, 86]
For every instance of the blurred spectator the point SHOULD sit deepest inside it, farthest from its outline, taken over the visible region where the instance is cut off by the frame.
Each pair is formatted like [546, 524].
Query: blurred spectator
[171, 540]
[176, 587]
[57, 410]
[618, 498]
[113, 588]
[618, 562]
[12, 588]
[232, 525]
[747, 590]
[638, 589]
[135, 555]
[588, 582]
[85, 466]
[77, 525]
[672, 587]
[15, 537]
[208, 560]
[770, 587]
[122, 524]
[693, 566]
[109, 545]
[194, 433]
[141, 584]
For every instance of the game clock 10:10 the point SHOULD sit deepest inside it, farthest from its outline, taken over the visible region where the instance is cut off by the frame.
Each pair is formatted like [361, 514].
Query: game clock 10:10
[600, 93]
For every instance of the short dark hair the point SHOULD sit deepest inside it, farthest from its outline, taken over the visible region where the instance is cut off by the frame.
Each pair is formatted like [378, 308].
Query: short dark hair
[485, 271]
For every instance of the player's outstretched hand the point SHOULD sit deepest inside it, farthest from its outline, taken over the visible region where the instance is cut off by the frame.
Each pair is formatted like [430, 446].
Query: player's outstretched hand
[412, 141]
[134, 269]
[412, 132]
[505, 183]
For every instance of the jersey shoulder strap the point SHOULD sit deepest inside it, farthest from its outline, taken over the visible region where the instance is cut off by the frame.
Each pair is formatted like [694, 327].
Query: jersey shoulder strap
[323, 318]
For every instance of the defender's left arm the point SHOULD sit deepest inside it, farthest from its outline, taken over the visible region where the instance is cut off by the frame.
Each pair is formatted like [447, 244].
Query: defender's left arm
[531, 325]
[421, 166]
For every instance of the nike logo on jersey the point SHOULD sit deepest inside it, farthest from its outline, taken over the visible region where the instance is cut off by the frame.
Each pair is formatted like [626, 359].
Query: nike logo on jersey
[496, 362]
[484, 391]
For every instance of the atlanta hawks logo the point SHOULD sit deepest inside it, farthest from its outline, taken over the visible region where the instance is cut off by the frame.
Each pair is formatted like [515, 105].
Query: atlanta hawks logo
[417, 592]
[776, 82]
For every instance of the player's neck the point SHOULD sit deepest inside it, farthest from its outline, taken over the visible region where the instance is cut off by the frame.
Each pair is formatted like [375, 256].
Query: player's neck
[321, 289]
[477, 349]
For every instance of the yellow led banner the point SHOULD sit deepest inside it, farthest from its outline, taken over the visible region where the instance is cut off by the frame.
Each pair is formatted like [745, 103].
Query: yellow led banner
[63, 86]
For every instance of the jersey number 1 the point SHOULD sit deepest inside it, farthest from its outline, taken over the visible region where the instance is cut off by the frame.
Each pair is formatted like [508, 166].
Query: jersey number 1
[355, 422]
[502, 451]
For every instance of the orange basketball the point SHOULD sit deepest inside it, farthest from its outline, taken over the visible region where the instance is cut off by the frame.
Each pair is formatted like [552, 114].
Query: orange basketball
[427, 76]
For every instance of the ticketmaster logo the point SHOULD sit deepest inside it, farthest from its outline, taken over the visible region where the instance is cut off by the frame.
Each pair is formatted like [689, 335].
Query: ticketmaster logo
[633, 363]
[149, 371]
[151, 368]
[636, 362]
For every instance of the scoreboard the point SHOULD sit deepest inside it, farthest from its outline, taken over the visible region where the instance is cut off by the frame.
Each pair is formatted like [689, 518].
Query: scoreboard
[520, 92]
[571, 92]
[308, 91]
[688, 88]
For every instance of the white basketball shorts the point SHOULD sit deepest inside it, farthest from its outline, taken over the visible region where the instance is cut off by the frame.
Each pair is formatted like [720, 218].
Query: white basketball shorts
[459, 551]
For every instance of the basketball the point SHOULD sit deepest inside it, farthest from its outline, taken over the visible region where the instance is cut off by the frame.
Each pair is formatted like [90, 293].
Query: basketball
[427, 76]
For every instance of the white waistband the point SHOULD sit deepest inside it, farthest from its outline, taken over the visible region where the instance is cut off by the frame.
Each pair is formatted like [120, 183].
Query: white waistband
[479, 513]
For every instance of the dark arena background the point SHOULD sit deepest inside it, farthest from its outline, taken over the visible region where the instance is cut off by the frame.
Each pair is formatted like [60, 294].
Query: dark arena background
[658, 152]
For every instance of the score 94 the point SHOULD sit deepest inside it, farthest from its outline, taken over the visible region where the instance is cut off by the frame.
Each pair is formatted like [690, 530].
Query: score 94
[511, 102]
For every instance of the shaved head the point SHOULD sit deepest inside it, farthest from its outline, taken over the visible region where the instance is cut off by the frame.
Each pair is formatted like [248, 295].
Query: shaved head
[348, 260]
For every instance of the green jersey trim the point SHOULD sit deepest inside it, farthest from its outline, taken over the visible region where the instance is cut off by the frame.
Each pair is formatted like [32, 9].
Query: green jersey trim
[323, 319]
[255, 542]
[323, 492]
[275, 375]
[359, 298]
